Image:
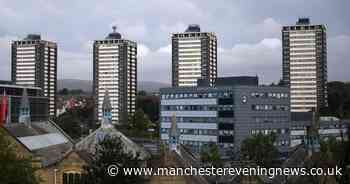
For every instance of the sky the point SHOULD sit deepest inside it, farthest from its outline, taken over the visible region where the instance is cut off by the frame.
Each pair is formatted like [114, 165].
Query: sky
[248, 31]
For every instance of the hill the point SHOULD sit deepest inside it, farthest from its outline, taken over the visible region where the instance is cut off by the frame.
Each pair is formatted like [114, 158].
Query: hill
[86, 85]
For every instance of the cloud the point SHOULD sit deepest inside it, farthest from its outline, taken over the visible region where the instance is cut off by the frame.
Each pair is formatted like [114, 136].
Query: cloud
[262, 59]
[142, 50]
[5, 56]
[172, 28]
[131, 30]
[166, 49]
[74, 65]
[339, 58]
[155, 66]
[248, 32]
[268, 28]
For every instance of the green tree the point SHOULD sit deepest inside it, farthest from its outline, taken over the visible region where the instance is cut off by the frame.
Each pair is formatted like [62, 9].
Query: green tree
[110, 151]
[140, 122]
[280, 82]
[76, 92]
[150, 106]
[338, 100]
[335, 153]
[210, 155]
[13, 168]
[260, 149]
[141, 93]
[70, 123]
[77, 121]
[63, 91]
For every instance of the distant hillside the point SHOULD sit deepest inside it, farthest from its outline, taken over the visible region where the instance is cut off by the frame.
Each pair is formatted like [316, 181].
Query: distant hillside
[86, 85]
[151, 86]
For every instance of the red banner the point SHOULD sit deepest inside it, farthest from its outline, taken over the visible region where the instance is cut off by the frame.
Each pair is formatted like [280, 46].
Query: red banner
[3, 109]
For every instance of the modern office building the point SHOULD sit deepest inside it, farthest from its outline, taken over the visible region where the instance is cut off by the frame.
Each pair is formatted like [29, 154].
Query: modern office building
[115, 70]
[194, 56]
[328, 127]
[10, 99]
[34, 63]
[226, 115]
[230, 81]
[305, 64]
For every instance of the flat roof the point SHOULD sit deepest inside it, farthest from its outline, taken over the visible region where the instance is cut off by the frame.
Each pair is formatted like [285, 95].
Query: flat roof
[18, 86]
[220, 88]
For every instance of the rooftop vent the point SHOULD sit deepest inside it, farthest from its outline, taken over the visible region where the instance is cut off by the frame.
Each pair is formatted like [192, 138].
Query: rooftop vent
[303, 21]
[114, 34]
[33, 37]
[193, 28]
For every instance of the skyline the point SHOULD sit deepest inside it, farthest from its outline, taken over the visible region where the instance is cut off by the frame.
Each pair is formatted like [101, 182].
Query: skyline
[246, 34]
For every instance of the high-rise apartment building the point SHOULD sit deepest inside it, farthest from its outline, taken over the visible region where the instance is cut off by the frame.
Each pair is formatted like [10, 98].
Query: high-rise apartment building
[194, 56]
[115, 70]
[34, 63]
[305, 64]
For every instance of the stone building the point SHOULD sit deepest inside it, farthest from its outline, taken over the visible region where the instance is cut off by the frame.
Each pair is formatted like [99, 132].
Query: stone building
[51, 149]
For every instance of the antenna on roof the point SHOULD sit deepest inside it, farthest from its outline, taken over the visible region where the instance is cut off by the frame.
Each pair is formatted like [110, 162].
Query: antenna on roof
[114, 28]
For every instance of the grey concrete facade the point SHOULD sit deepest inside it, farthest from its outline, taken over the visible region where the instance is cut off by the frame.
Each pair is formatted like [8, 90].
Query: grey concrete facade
[226, 115]
[115, 70]
[194, 56]
[304, 50]
[34, 63]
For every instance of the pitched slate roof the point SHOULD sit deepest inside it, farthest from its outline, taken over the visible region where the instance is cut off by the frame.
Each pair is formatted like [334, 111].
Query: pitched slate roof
[89, 143]
[43, 139]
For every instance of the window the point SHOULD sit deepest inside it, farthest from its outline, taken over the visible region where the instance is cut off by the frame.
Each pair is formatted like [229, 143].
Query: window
[71, 178]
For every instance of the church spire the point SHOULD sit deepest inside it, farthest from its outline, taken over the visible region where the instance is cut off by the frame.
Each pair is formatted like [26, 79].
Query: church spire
[24, 109]
[106, 112]
[173, 134]
[312, 140]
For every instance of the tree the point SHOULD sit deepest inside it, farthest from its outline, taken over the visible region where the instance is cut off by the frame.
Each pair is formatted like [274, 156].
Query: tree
[280, 82]
[76, 92]
[70, 123]
[335, 153]
[210, 155]
[141, 93]
[78, 120]
[260, 149]
[14, 168]
[63, 91]
[110, 151]
[150, 106]
[140, 122]
[338, 100]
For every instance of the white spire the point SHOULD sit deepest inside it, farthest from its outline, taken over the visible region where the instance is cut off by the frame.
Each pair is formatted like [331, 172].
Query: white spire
[173, 135]
[106, 112]
[24, 110]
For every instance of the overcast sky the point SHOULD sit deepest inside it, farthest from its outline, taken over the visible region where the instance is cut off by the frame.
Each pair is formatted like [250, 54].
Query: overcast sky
[248, 31]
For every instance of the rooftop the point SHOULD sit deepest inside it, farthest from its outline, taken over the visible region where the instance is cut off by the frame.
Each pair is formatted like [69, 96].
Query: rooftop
[18, 86]
[114, 35]
[33, 37]
[89, 143]
[303, 21]
[43, 139]
[193, 28]
[6, 82]
[231, 81]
